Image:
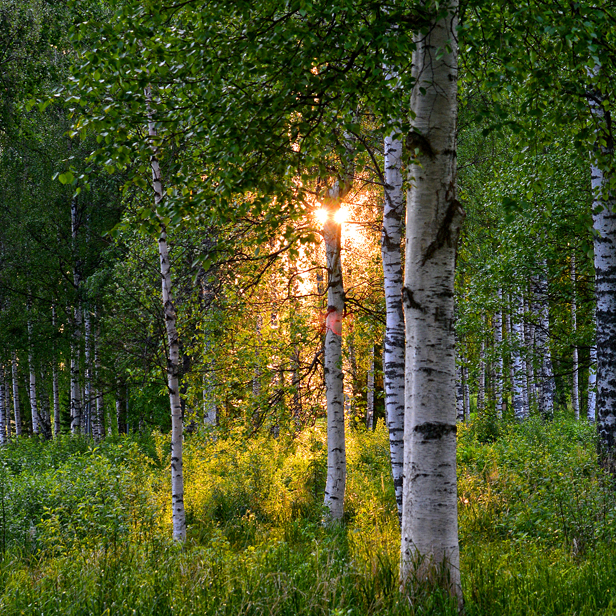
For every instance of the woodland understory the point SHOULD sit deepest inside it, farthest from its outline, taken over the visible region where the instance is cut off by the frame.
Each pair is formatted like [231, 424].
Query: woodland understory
[307, 307]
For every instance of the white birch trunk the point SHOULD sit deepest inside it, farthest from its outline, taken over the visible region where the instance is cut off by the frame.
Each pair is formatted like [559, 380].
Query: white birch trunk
[529, 347]
[519, 388]
[44, 416]
[55, 390]
[592, 384]
[32, 385]
[467, 393]
[604, 222]
[16, 406]
[481, 381]
[98, 430]
[76, 399]
[498, 366]
[370, 393]
[87, 407]
[575, 389]
[334, 380]
[429, 539]
[394, 341]
[546, 375]
[173, 346]
[459, 392]
[4, 410]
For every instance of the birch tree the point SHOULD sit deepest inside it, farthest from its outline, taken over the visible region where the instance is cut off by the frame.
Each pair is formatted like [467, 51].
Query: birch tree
[434, 216]
[394, 340]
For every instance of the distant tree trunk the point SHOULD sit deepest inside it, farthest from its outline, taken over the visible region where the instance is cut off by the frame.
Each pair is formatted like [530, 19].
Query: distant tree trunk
[16, 407]
[44, 415]
[498, 366]
[575, 389]
[76, 403]
[520, 392]
[32, 384]
[429, 538]
[370, 393]
[481, 382]
[467, 393]
[546, 374]
[87, 407]
[54, 380]
[459, 392]
[98, 428]
[4, 410]
[120, 404]
[394, 342]
[529, 344]
[592, 381]
[173, 343]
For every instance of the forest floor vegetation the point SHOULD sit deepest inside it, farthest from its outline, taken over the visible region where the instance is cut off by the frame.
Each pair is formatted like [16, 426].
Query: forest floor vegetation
[85, 528]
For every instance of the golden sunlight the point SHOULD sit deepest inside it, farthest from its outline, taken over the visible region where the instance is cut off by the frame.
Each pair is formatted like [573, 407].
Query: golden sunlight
[321, 216]
[341, 215]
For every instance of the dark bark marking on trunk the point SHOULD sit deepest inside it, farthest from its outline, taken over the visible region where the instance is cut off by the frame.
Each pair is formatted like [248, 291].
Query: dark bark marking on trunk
[434, 431]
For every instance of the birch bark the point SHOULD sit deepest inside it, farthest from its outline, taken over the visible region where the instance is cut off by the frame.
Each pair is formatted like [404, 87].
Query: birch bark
[16, 406]
[394, 341]
[518, 368]
[498, 366]
[334, 380]
[575, 395]
[546, 375]
[173, 343]
[429, 540]
[76, 399]
[370, 393]
[55, 390]
[604, 222]
[4, 411]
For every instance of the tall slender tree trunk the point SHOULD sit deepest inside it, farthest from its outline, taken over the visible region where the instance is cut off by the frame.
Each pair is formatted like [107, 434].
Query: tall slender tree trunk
[173, 343]
[575, 389]
[481, 381]
[518, 371]
[32, 384]
[546, 374]
[334, 380]
[98, 429]
[87, 406]
[394, 342]
[498, 365]
[434, 216]
[467, 393]
[459, 392]
[592, 381]
[16, 406]
[4, 408]
[370, 393]
[44, 414]
[604, 222]
[76, 399]
[55, 390]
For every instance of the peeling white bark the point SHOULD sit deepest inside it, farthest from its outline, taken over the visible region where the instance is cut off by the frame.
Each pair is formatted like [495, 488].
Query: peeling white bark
[518, 368]
[429, 542]
[370, 393]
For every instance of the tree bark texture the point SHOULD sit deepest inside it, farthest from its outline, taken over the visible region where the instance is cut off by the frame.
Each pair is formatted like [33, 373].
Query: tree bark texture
[604, 222]
[542, 341]
[334, 381]
[429, 542]
[575, 389]
[173, 346]
[518, 371]
[16, 406]
[394, 341]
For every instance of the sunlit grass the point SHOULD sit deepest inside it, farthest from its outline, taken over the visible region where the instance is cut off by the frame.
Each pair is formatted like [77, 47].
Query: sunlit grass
[85, 529]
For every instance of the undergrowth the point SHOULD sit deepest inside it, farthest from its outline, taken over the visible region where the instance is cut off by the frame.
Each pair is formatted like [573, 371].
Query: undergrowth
[84, 528]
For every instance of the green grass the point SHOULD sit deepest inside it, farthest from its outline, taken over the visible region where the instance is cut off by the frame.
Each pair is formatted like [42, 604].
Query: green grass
[85, 529]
